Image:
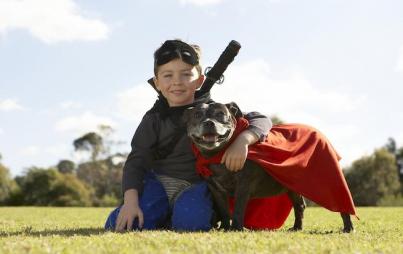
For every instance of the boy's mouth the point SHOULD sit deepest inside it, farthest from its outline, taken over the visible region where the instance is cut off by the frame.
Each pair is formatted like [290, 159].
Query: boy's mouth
[178, 92]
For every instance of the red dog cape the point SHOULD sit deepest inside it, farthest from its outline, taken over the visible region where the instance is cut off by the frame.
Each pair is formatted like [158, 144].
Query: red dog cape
[300, 158]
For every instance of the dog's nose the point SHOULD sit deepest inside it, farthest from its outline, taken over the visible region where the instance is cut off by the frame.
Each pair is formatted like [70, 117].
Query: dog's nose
[208, 124]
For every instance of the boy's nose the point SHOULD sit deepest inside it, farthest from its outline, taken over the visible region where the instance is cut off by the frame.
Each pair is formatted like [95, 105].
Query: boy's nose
[177, 81]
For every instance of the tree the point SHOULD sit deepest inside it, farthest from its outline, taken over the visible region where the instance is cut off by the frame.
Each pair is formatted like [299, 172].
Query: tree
[102, 172]
[98, 144]
[391, 146]
[48, 187]
[90, 142]
[66, 166]
[7, 184]
[373, 178]
[399, 159]
[105, 176]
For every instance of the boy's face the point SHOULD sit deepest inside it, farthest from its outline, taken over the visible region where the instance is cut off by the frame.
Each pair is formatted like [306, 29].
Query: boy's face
[178, 81]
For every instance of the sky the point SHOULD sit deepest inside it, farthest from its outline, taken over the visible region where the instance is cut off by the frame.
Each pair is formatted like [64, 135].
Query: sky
[67, 66]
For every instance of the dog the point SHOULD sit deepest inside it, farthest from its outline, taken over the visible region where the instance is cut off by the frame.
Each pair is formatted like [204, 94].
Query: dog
[210, 127]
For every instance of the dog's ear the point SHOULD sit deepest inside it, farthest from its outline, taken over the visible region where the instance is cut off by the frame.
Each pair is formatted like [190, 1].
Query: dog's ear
[234, 109]
[186, 114]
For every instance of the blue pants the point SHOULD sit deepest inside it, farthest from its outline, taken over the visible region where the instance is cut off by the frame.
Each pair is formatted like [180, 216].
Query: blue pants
[192, 210]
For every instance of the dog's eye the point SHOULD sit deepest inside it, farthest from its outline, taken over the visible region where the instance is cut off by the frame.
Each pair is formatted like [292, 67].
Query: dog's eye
[198, 115]
[220, 114]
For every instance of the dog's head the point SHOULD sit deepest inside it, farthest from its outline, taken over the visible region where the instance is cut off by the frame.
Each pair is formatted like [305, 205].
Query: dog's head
[210, 126]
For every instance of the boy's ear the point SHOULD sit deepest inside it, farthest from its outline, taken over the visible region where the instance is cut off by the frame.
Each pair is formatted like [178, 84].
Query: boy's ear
[186, 114]
[155, 81]
[234, 109]
[200, 81]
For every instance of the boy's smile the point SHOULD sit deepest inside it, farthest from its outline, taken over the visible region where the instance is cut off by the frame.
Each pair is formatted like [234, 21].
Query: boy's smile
[178, 82]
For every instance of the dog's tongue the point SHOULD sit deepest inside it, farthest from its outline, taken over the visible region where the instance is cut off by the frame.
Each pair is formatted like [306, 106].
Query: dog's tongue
[210, 138]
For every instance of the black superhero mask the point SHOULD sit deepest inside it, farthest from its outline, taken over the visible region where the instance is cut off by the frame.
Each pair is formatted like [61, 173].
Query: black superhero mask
[172, 49]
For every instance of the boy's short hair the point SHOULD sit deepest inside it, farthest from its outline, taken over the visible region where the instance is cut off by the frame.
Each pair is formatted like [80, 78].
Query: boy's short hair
[173, 49]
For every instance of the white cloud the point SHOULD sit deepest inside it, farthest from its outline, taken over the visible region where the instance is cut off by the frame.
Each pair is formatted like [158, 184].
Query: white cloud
[55, 150]
[399, 138]
[70, 105]
[201, 2]
[10, 105]
[133, 103]
[58, 151]
[83, 123]
[1, 131]
[50, 20]
[30, 151]
[399, 66]
[251, 85]
[52, 152]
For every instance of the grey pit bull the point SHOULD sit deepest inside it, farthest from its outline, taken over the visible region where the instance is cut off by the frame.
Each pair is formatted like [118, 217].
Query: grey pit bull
[210, 127]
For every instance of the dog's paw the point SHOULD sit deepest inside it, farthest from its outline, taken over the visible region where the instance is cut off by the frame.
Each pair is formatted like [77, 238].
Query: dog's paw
[236, 228]
[224, 226]
[295, 229]
[348, 230]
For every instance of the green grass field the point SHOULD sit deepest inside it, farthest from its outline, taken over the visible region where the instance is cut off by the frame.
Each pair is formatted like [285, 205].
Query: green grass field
[79, 230]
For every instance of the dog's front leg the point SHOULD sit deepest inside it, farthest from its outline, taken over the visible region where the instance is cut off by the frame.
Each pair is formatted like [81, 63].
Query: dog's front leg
[220, 198]
[242, 194]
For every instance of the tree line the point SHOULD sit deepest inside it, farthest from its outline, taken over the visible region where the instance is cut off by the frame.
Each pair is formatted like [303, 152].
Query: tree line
[94, 182]
[374, 180]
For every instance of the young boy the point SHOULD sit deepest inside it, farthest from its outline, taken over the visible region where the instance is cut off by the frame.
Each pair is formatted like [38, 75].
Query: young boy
[161, 187]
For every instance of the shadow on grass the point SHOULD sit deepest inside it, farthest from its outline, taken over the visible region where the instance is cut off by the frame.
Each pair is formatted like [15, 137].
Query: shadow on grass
[319, 232]
[52, 232]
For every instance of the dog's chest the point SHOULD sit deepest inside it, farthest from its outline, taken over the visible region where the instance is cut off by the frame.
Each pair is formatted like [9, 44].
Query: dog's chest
[222, 176]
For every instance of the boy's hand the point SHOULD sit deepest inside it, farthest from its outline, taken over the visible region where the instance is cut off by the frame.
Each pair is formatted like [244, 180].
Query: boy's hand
[235, 156]
[129, 211]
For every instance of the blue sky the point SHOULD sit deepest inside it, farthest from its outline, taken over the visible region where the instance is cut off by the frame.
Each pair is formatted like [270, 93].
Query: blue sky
[67, 66]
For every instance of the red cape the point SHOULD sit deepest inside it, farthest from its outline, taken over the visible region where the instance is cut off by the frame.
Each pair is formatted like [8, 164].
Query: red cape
[300, 158]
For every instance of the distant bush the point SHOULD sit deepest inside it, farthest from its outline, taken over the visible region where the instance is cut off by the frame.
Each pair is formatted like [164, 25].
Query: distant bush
[48, 187]
[7, 185]
[392, 200]
[373, 180]
[105, 177]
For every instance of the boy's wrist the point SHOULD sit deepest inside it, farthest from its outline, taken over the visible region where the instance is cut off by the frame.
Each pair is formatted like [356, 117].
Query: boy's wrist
[131, 197]
[247, 137]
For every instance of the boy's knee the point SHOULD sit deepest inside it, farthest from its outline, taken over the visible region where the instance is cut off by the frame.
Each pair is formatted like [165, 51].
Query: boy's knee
[110, 223]
[154, 204]
[193, 210]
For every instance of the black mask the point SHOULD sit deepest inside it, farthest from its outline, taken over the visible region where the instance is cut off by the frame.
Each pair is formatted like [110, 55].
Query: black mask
[172, 49]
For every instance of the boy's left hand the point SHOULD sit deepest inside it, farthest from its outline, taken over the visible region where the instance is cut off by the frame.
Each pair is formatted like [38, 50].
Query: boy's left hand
[235, 156]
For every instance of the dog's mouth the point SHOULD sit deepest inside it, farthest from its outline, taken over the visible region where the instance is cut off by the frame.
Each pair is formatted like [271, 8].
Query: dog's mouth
[209, 138]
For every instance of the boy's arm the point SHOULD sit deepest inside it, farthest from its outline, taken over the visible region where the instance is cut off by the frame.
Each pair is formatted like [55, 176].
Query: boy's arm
[133, 174]
[259, 126]
[140, 155]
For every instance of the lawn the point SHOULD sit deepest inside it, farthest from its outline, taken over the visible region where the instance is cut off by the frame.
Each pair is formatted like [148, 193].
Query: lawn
[79, 230]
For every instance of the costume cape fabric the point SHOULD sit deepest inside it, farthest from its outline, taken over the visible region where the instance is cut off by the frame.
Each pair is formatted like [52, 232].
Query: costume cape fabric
[300, 158]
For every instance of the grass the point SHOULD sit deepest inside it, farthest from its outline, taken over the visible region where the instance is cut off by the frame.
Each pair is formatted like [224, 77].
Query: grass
[79, 230]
